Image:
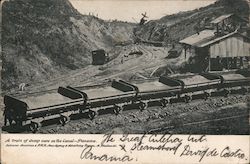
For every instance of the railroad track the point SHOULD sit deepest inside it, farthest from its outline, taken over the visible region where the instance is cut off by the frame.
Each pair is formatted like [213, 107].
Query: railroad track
[91, 82]
[143, 64]
[169, 128]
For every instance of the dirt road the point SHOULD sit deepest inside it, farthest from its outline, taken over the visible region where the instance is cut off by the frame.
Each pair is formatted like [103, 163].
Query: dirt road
[123, 66]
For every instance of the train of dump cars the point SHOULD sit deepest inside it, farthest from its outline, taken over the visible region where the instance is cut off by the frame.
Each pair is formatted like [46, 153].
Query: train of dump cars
[31, 112]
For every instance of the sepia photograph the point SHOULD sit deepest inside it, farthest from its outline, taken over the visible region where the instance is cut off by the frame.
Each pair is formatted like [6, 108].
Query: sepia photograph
[125, 67]
[135, 81]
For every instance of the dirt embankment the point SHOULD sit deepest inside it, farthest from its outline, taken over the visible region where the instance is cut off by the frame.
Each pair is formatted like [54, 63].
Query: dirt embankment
[44, 39]
[151, 63]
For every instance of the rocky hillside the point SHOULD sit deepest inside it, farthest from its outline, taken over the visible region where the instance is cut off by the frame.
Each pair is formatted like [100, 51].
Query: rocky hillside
[175, 27]
[42, 39]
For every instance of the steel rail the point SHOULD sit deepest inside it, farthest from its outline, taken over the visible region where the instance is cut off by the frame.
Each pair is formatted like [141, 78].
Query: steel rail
[198, 122]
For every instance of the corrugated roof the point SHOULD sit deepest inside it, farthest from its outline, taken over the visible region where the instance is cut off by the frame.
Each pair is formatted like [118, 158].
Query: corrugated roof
[206, 37]
[197, 39]
[216, 39]
[221, 18]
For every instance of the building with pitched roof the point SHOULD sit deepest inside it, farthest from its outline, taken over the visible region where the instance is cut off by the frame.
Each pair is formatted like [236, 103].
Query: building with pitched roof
[217, 50]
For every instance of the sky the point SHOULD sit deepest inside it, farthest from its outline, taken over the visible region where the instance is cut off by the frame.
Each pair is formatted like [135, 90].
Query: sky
[130, 10]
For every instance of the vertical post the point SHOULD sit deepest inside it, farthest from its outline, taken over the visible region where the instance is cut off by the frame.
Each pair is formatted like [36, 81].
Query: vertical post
[185, 51]
[227, 60]
[223, 26]
[209, 60]
[217, 28]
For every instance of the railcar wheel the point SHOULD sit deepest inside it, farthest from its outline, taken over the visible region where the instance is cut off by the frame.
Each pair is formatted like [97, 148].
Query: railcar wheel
[164, 102]
[226, 92]
[187, 98]
[18, 121]
[207, 95]
[117, 109]
[80, 110]
[143, 106]
[34, 126]
[63, 120]
[92, 114]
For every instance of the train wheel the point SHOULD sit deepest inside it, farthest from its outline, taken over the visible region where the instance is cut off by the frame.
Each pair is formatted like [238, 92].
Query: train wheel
[117, 109]
[187, 98]
[164, 102]
[92, 114]
[34, 126]
[19, 122]
[143, 106]
[207, 95]
[80, 110]
[226, 92]
[63, 120]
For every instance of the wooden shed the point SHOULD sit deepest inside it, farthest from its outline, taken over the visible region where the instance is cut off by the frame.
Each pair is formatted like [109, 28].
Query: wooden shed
[209, 51]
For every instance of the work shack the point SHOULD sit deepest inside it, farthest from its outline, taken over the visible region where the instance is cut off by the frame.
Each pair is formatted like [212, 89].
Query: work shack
[226, 46]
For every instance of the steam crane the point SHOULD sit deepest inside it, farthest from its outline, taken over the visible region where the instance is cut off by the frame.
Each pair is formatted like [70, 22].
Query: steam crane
[143, 20]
